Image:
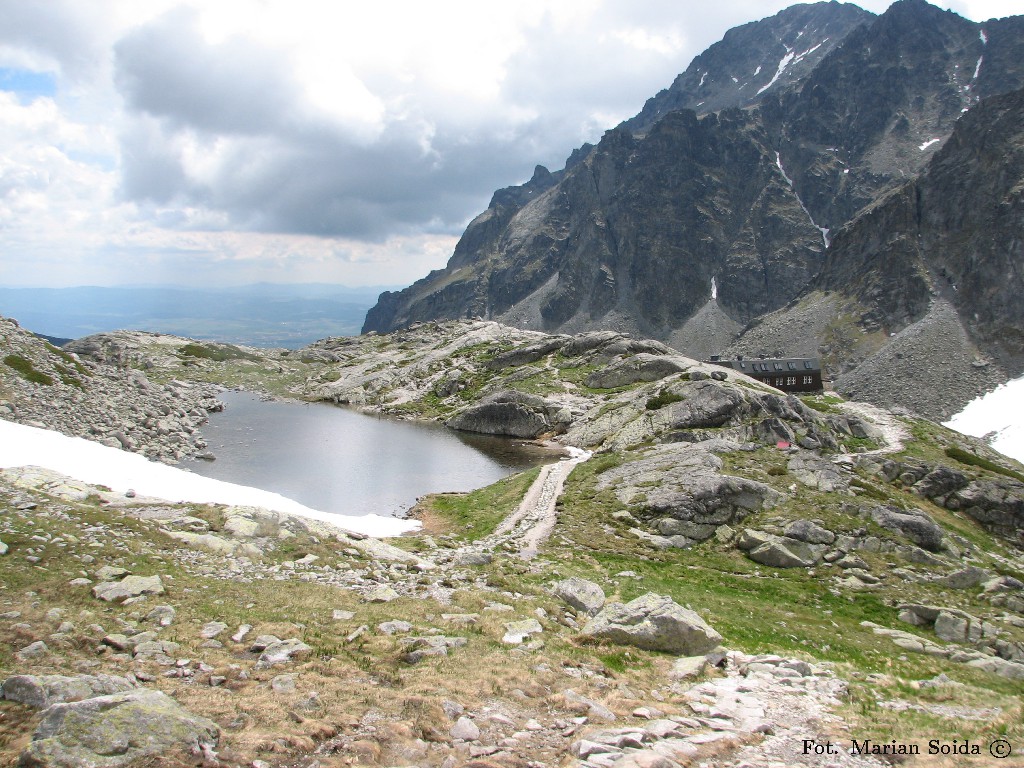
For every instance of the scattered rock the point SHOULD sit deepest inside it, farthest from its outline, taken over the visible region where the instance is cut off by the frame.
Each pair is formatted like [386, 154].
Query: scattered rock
[465, 729]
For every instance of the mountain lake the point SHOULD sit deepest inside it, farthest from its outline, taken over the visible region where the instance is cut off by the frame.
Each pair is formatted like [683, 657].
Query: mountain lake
[336, 459]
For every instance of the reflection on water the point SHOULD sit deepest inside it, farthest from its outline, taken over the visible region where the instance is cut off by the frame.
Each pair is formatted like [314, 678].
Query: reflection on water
[339, 460]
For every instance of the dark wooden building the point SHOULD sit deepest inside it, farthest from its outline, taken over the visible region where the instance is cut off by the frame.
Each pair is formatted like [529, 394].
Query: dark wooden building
[790, 374]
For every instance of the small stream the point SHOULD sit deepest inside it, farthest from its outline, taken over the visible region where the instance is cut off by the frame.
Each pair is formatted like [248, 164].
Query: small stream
[339, 460]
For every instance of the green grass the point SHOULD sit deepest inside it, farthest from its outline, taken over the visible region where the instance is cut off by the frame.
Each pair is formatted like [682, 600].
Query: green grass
[824, 403]
[27, 371]
[662, 399]
[973, 460]
[216, 352]
[476, 514]
[69, 359]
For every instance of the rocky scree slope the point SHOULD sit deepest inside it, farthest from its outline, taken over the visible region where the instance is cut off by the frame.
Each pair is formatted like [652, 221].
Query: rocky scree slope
[687, 226]
[82, 396]
[885, 575]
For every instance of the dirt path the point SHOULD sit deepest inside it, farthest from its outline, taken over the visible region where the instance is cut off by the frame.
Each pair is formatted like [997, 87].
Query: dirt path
[894, 432]
[534, 520]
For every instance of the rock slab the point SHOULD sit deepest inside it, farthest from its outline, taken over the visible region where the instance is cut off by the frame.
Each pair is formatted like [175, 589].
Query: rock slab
[117, 730]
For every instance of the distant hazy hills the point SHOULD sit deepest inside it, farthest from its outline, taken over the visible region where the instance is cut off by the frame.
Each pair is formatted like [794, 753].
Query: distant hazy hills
[260, 315]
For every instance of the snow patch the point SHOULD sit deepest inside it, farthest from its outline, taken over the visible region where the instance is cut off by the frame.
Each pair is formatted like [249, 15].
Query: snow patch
[808, 52]
[714, 289]
[120, 471]
[998, 417]
[735, 80]
[977, 68]
[785, 62]
[983, 36]
[703, 77]
[928, 143]
[757, 71]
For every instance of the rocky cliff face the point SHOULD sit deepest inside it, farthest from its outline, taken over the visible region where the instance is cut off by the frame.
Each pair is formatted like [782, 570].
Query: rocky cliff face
[688, 225]
[926, 282]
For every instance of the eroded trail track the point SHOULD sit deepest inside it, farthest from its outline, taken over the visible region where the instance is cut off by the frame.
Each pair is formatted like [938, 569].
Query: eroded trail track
[534, 520]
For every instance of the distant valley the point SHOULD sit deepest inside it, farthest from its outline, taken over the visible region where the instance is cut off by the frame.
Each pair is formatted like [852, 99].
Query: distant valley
[260, 315]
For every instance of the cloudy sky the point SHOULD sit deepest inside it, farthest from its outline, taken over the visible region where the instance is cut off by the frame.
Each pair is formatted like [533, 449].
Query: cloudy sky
[233, 141]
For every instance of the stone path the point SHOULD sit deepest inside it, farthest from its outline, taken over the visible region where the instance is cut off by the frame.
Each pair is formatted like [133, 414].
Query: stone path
[534, 520]
[894, 432]
[761, 714]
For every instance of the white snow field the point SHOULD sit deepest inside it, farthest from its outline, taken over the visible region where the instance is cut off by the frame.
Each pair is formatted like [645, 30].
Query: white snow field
[1000, 414]
[96, 464]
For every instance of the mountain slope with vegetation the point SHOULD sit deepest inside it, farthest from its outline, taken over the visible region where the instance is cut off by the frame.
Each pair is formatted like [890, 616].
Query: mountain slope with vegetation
[869, 575]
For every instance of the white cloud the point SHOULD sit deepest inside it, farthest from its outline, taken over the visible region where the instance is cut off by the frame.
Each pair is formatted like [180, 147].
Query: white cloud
[236, 140]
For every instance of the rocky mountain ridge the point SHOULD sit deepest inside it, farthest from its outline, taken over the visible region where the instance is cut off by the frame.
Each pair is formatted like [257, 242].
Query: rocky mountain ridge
[690, 228]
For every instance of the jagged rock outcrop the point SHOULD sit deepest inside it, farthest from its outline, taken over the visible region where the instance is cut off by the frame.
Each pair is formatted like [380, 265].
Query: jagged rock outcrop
[682, 490]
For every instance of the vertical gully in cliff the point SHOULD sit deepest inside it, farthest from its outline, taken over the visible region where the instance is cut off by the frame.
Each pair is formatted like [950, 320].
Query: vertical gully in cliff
[824, 230]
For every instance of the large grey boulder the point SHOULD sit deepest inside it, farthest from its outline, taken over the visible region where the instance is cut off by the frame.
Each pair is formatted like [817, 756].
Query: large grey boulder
[41, 691]
[914, 524]
[785, 552]
[656, 623]
[129, 587]
[705, 404]
[685, 482]
[117, 730]
[816, 472]
[809, 531]
[583, 595]
[283, 652]
[513, 414]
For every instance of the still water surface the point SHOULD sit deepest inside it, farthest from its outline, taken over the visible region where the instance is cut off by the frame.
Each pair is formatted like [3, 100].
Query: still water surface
[339, 460]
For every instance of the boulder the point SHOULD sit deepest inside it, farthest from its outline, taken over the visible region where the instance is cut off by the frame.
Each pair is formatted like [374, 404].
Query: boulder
[816, 472]
[129, 587]
[784, 552]
[512, 414]
[381, 594]
[583, 595]
[465, 729]
[41, 691]
[654, 622]
[955, 626]
[914, 524]
[810, 532]
[116, 730]
[283, 652]
[517, 631]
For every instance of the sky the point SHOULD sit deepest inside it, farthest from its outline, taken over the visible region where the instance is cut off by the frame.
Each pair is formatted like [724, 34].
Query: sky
[226, 142]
